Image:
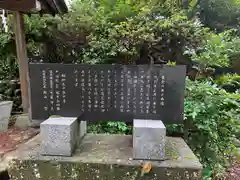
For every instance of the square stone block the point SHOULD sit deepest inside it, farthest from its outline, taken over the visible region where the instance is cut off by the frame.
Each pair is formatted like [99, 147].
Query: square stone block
[59, 136]
[149, 138]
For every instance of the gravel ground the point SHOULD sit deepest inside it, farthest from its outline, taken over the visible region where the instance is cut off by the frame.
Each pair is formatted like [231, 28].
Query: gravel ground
[10, 139]
[234, 173]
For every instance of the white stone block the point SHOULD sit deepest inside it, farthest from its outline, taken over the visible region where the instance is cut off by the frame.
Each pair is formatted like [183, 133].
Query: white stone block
[5, 113]
[149, 138]
[59, 136]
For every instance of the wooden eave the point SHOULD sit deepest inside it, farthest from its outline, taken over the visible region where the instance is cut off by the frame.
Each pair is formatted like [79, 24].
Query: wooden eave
[47, 6]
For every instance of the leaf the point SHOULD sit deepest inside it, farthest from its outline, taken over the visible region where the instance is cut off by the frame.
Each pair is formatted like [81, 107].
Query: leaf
[192, 4]
[237, 154]
[207, 172]
[54, 116]
[146, 168]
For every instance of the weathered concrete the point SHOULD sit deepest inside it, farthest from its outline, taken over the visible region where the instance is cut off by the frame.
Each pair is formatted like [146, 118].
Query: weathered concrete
[82, 129]
[149, 138]
[59, 136]
[35, 123]
[103, 157]
[22, 121]
[3, 165]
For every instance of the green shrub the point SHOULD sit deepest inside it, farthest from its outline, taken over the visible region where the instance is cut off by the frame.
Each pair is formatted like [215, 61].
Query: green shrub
[234, 48]
[229, 82]
[110, 127]
[220, 14]
[212, 117]
[215, 52]
[116, 31]
[10, 90]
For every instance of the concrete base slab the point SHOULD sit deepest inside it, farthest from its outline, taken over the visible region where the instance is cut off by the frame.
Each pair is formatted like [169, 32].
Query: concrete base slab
[104, 157]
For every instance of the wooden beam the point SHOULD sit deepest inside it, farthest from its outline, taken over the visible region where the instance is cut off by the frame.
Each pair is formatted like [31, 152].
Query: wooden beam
[22, 58]
[16, 5]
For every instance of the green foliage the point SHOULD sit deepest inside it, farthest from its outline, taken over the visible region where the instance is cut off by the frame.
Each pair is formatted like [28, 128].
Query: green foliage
[230, 82]
[8, 65]
[124, 40]
[212, 119]
[116, 31]
[220, 14]
[207, 174]
[170, 63]
[9, 83]
[234, 49]
[10, 90]
[110, 127]
[214, 52]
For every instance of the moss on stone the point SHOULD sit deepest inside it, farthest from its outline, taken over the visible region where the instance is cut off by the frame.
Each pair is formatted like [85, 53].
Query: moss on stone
[104, 157]
[35, 170]
[171, 151]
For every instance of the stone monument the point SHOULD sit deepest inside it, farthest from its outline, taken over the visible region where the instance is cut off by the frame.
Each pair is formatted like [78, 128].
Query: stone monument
[68, 96]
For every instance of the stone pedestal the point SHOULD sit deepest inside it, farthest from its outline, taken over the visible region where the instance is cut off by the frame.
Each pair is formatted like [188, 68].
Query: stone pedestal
[22, 122]
[149, 139]
[59, 136]
[82, 129]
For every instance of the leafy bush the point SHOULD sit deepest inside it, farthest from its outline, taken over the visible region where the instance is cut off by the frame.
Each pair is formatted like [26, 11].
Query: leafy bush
[234, 52]
[215, 52]
[117, 31]
[212, 117]
[110, 127]
[219, 15]
[229, 82]
[10, 90]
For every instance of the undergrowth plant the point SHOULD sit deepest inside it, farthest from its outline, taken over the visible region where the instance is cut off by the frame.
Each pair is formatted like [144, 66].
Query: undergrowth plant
[212, 118]
[229, 82]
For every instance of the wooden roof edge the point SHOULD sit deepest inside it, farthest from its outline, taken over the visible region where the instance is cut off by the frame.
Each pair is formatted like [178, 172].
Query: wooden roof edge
[42, 6]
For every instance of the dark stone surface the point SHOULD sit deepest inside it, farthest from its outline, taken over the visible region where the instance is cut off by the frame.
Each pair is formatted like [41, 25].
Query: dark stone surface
[108, 92]
[104, 157]
[4, 175]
